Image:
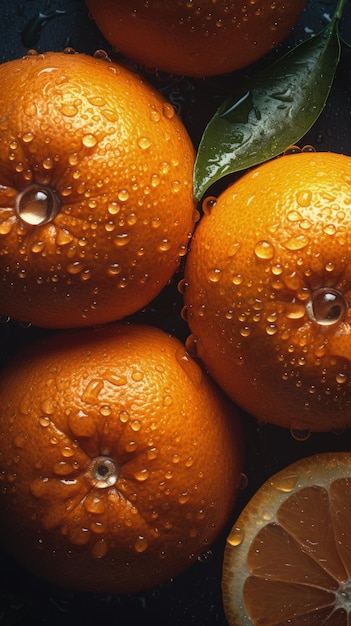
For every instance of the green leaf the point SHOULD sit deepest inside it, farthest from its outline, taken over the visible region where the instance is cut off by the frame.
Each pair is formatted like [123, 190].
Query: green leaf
[270, 111]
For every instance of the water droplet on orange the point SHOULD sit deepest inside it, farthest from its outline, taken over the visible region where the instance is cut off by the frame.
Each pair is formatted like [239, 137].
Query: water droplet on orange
[37, 205]
[144, 143]
[296, 243]
[168, 110]
[89, 140]
[214, 274]
[236, 536]
[208, 204]
[141, 544]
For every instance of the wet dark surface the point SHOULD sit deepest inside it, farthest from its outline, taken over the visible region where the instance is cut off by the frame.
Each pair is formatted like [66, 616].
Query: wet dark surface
[194, 597]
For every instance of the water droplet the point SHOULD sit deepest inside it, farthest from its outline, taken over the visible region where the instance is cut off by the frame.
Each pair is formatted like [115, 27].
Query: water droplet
[123, 416]
[286, 484]
[89, 140]
[141, 544]
[116, 379]
[271, 329]
[155, 115]
[294, 310]
[264, 250]
[167, 401]
[304, 198]
[37, 205]
[300, 435]
[214, 275]
[294, 216]
[341, 378]
[142, 475]
[27, 137]
[30, 109]
[236, 536]
[329, 229]
[122, 239]
[69, 110]
[44, 421]
[296, 243]
[233, 249]
[63, 237]
[74, 268]
[137, 375]
[105, 410]
[92, 391]
[208, 204]
[245, 331]
[144, 143]
[168, 110]
[326, 306]
[123, 195]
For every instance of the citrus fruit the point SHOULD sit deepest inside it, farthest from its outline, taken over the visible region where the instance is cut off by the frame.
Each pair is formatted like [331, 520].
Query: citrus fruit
[201, 38]
[267, 291]
[120, 460]
[96, 204]
[287, 558]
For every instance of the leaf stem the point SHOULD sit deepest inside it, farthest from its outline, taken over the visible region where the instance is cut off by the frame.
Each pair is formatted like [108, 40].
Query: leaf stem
[339, 9]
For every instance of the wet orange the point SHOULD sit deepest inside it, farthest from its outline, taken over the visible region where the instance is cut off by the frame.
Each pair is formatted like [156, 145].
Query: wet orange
[96, 204]
[201, 38]
[287, 559]
[120, 460]
[268, 291]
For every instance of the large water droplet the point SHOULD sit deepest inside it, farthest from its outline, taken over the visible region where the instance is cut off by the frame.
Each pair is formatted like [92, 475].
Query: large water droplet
[296, 243]
[326, 306]
[264, 250]
[37, 205]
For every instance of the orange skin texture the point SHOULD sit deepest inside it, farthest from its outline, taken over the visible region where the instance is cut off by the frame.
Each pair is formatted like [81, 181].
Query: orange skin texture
[131, 394]
[119, 163]
[200, 38]
[274, 240]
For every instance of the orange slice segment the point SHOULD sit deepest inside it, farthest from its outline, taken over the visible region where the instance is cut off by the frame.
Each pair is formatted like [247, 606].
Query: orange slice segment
[287, 560]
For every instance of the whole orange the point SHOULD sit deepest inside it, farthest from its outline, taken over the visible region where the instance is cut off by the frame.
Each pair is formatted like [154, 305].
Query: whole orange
[96, 204]
[201, 38]
[120, 460]
[268, 291]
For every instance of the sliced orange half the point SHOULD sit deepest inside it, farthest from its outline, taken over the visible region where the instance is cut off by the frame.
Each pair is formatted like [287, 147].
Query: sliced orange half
[287, 559]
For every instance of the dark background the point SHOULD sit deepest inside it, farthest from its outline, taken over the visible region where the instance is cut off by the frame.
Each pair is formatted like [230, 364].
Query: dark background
[193, 598]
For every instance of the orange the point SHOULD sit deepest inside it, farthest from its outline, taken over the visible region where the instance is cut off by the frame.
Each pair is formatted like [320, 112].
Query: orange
[120, 460]
[287, 559]
[96, 204]
[268, 288]
[201, 38]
